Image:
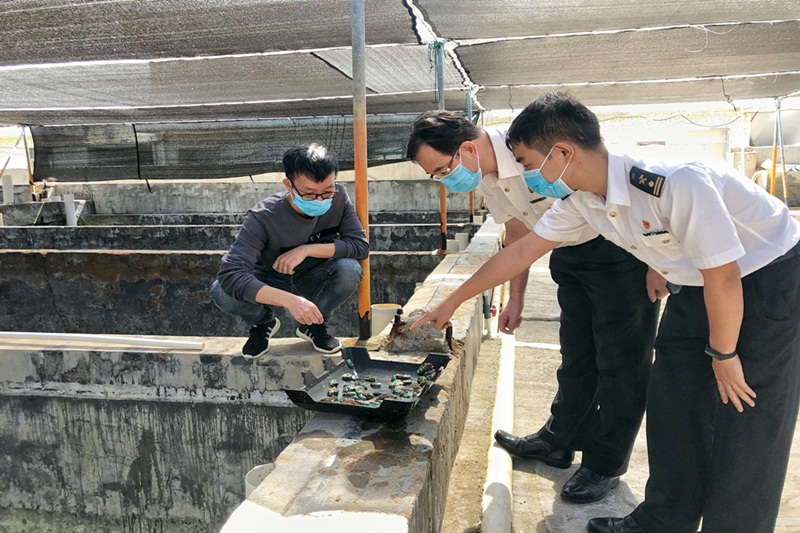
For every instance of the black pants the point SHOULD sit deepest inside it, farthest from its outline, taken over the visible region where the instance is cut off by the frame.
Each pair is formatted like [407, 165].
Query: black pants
[607, 329]
[706, 459]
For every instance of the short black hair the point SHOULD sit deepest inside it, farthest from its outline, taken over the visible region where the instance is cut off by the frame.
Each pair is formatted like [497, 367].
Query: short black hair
[312, 160]
[443, 130]
[555, 117]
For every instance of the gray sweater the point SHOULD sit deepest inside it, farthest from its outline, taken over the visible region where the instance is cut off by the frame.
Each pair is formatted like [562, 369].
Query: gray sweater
[272, 228]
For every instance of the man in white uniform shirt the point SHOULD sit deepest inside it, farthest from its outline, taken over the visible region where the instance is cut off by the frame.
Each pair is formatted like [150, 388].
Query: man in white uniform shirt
[607, 320]
[723, 394]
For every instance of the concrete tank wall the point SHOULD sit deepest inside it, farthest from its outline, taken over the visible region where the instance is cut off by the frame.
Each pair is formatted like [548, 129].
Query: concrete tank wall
[202, 219]
[383, 237]
[107, 439]
[237, 197]
[152, 441]
[159, 293]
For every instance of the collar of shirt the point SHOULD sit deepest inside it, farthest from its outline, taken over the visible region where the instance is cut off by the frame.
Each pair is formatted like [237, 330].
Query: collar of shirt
[507, 166]
[617, 188]
[617, 192]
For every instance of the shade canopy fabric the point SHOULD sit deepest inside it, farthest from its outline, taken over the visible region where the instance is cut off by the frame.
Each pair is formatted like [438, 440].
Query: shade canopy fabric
[71, 63]
[133, 61]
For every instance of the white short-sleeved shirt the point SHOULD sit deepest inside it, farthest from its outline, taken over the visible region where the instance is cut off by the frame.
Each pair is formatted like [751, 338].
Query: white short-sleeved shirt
[508, 197]
[679, 217]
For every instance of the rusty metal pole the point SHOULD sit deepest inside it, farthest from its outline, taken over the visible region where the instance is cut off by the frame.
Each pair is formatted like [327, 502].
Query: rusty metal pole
[440, 100]
[357, 19]
[471, 206]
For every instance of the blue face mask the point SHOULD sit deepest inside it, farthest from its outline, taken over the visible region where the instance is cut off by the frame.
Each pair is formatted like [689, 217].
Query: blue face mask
[536, 182]
[462, 179]
[312, 208]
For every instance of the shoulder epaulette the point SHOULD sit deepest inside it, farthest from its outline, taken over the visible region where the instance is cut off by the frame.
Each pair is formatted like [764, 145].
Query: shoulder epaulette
[649, 182]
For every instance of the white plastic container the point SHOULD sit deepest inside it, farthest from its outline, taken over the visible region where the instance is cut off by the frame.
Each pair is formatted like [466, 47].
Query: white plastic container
[463, 240]
[381, 316]
[255, 476]
[8, 189]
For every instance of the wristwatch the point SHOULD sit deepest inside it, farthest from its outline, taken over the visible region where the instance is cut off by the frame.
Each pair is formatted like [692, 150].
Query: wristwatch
[719, 356]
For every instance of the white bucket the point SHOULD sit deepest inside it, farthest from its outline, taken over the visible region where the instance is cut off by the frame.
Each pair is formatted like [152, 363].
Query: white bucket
[381, 316]
[255, 476]
[452, 244]
[463, 240]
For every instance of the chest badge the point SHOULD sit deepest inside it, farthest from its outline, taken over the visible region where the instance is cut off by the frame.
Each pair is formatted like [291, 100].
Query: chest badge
[646, 224]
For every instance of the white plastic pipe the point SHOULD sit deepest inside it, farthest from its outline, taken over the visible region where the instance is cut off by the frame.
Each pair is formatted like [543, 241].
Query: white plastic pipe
[69, 209]
[8, 189]
[111, 339]
[497, 496]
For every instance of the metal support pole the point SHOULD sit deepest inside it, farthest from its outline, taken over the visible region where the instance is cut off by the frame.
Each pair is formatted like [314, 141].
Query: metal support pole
[443, 214]
[357, 19]
[440, 74]
[471, 193]
[440, 101]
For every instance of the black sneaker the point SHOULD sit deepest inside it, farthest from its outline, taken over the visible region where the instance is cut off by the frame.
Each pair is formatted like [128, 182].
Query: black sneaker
[319, 337]
[258, 343]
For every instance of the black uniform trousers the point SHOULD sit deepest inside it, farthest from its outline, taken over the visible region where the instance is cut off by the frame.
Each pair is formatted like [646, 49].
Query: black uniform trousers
[707, 459]
[608, 326]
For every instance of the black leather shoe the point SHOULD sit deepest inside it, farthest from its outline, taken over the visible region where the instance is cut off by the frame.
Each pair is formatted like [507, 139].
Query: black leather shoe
[586, 486]
[614, 525]
[533, 447]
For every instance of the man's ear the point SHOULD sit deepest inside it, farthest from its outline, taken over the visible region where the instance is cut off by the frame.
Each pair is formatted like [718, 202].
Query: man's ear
[566, 149]
[287, 184]
[469, 147]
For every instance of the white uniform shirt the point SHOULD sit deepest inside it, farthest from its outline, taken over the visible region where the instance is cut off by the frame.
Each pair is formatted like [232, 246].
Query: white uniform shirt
[508, 197]
[707, 215]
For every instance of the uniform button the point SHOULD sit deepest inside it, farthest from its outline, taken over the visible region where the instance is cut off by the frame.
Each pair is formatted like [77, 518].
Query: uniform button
[665, 241]
[524, 213]
[633, 247]
[665, 272]
[507, 189]
[612, 214]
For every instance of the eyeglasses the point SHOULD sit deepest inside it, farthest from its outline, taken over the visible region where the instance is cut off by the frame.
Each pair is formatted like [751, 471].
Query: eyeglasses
[313, 196]
[443, 172]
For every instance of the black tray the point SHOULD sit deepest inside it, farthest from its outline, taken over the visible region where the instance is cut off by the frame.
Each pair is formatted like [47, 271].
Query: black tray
[316, 388]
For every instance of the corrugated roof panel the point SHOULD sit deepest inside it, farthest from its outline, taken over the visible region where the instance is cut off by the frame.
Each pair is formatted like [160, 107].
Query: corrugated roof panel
[46, 31]
[489, 19]
[631, 56]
